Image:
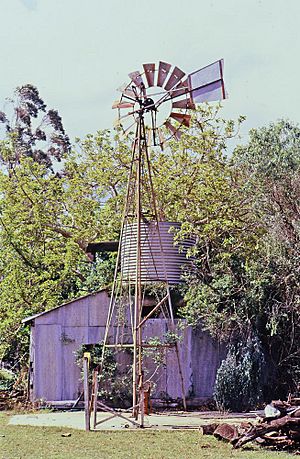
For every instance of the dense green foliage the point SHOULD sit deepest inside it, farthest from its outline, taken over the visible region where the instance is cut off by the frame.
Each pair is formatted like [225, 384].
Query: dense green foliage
[47, 219]
[7, 379]
[246, 283]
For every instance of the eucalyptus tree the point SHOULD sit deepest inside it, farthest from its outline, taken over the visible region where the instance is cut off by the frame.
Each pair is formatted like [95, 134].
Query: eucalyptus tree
[33, 130]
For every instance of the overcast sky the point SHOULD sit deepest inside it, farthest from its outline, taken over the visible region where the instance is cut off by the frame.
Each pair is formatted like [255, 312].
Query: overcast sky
[78, 52]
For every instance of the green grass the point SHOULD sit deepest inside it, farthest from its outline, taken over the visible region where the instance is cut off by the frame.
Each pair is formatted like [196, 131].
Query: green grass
[22, 442]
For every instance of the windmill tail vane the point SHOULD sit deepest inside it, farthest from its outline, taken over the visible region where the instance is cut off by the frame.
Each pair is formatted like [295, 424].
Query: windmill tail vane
[207, 84]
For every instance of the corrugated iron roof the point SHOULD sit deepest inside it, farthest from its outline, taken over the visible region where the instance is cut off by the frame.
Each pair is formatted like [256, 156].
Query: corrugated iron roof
[30, 318]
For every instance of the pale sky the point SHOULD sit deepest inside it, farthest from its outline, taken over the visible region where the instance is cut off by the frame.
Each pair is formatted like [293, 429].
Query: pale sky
[78, 52]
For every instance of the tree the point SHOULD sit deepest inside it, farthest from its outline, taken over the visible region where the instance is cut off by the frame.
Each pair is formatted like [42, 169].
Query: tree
[271, 160]
[246, 285]
[198, 185]
[48, 215]
[32, 130]
[47, 220]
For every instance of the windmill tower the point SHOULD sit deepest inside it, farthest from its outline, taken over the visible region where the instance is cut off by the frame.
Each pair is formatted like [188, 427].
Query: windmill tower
[155, 104]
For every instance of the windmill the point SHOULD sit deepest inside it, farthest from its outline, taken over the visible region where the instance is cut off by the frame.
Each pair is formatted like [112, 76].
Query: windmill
[155, 105]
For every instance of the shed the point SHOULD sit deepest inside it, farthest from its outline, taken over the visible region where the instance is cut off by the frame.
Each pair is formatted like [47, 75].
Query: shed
[58, 333]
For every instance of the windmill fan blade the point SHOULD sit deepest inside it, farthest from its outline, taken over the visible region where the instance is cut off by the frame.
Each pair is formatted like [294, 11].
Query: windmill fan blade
[122, 117]
[126, 91]
[149, 73]
[119, 104]
[175, 77]
[172, 129]
[163, 70]
[137, 79]
[180, 89]
[207, 84]
[149, 136]
[161, 137]
[182, 118]
[128, 130]
[184, 103]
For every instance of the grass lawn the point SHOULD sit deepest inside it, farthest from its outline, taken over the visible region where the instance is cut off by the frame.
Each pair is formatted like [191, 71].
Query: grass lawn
[22, 442]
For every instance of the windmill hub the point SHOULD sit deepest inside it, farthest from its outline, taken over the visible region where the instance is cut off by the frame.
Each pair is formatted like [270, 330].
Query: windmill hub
[155, 114]
[149, 105]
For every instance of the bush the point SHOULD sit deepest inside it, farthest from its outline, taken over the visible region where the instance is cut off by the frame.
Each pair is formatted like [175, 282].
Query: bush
[238, 384]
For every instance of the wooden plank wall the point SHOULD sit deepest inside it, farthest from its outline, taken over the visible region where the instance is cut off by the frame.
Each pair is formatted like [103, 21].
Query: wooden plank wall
[167, 381]
[174, 388]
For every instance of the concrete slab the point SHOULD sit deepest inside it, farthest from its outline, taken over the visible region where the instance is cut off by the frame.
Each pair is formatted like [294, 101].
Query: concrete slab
[75, 420]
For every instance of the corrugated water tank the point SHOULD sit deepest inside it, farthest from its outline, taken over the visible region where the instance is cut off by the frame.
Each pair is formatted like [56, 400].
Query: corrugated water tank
[161, 260]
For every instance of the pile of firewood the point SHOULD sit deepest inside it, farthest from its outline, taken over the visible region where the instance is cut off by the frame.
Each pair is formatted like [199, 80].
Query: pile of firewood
[281, 431]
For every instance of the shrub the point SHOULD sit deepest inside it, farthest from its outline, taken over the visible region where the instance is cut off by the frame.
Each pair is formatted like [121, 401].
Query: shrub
[238, 384]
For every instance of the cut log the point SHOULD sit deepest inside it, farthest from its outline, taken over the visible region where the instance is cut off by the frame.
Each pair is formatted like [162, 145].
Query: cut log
[295, 435]
[280, 442]
[227, 432]
[244, 427]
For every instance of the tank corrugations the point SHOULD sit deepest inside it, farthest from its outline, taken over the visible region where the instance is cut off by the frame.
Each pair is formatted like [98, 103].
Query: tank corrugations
[156, 265]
